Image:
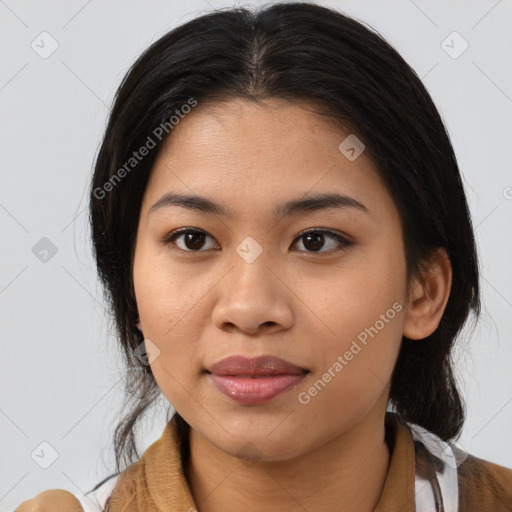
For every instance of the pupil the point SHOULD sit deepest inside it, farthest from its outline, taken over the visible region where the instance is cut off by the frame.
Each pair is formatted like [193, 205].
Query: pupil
[317, 239]
[191, 239]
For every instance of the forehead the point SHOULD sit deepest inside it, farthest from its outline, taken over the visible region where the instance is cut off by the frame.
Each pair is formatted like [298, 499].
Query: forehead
[249, 155]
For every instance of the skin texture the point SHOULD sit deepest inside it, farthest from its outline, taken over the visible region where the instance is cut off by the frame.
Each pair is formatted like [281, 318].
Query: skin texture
[304, 305]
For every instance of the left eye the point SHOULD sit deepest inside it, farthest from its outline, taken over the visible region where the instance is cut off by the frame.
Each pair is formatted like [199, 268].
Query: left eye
[315, 238]
[194, 240]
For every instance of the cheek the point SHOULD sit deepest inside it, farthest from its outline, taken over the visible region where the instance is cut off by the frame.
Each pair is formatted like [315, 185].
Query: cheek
[363, 311]
[356, 369]
[354, 297]
[166, 304]
[178, 364]
[166, 296]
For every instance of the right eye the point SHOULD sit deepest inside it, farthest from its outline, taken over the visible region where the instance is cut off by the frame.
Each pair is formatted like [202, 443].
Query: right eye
[192, 239]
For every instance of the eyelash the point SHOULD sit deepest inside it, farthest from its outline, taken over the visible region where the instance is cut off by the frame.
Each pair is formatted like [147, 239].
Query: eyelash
[330, 234]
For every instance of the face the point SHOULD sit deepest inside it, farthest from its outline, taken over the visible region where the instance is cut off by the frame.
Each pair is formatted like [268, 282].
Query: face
[321, 288]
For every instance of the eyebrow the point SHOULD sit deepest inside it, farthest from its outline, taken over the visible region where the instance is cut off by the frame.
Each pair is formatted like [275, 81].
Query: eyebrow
[312, 203]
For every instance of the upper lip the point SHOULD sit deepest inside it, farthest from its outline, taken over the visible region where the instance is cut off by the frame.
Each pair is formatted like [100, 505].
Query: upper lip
[255, 366]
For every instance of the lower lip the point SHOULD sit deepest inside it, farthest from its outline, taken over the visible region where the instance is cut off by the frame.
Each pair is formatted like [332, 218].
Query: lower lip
[249, 391]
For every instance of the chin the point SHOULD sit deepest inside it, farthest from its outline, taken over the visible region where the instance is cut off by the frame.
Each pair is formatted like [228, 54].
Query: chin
[253, 443]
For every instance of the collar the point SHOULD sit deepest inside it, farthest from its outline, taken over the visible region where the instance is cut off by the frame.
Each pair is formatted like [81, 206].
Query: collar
[156, 482]
[398, 493]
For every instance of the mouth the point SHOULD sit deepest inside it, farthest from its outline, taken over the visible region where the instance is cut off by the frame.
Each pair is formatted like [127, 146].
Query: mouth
[255, 381]
[255, 390]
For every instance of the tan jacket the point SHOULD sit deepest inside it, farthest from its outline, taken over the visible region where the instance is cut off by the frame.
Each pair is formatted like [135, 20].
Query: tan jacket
[156, 483]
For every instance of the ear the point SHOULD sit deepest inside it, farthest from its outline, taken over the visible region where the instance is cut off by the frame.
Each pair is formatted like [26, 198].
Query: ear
[428, 300]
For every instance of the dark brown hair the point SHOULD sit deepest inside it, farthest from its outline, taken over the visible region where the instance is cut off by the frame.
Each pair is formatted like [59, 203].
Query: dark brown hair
[297, 52]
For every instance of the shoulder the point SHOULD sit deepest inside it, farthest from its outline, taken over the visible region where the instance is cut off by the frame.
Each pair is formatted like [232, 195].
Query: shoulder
[54, 500]
[484, 485]
[60, 500]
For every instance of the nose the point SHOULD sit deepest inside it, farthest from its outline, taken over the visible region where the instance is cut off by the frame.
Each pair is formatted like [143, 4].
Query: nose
[253, 299]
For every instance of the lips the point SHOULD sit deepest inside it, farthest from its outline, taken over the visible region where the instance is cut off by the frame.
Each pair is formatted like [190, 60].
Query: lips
[257, 366]
[255, 381]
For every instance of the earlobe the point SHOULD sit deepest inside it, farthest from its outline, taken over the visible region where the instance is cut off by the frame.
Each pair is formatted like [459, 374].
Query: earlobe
[138, 324]
[428, 299]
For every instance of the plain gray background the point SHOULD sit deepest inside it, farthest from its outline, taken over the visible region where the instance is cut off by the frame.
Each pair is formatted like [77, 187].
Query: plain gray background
[60, 369]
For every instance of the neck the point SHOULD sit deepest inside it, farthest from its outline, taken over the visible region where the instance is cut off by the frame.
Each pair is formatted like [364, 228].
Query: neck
[346, 473]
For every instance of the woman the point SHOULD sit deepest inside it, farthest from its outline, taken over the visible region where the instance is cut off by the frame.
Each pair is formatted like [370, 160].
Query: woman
[280, 225]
